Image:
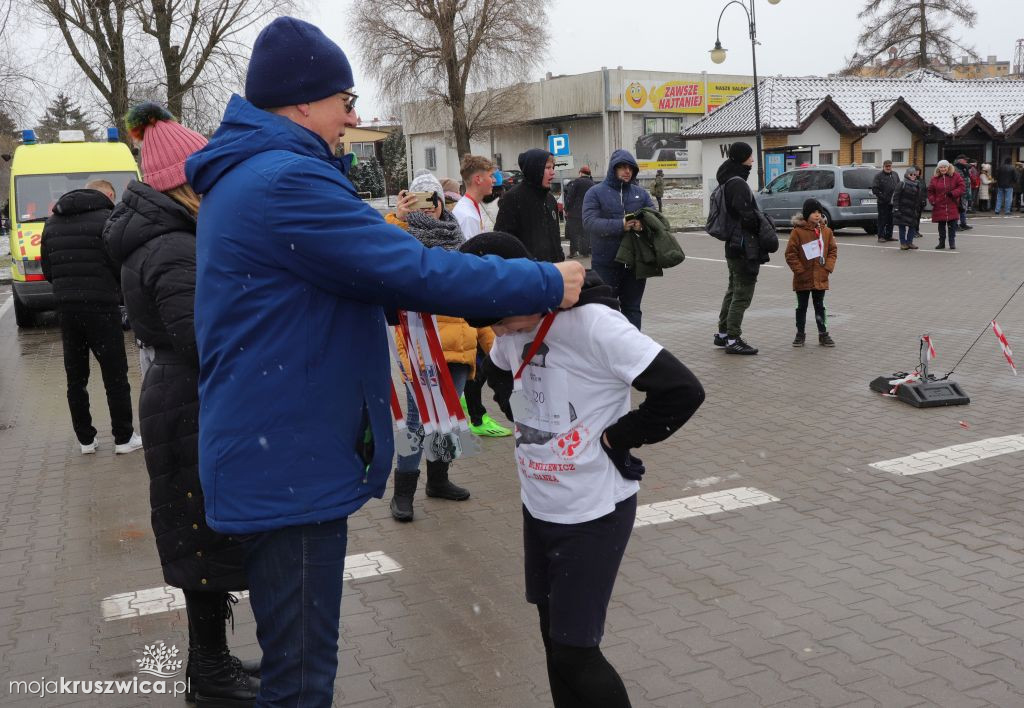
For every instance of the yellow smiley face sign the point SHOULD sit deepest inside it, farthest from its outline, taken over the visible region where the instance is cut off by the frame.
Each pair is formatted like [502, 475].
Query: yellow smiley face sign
[636, 95]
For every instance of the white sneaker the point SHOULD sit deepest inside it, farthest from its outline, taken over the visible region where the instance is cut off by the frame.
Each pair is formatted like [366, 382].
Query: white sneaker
[90, 448]
[131, 446]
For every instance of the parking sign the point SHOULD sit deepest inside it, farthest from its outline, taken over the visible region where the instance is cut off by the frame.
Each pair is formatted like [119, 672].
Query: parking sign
[558, 144]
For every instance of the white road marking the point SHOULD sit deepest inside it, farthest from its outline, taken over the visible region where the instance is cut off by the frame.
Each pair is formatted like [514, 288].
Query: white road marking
[5, 307]
[153, 601]
[722, 260]
[700, 505]
[961, 235]
[934, 460]
[896, 248]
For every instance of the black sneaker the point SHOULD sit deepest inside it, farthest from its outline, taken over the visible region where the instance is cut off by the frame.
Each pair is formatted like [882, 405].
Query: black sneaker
[799, 339]
[965, 228]
[721, 341]
[740, 347]
[940, 247]
[825, 340]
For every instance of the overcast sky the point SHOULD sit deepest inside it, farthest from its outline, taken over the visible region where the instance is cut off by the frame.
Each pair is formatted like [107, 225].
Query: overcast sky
[797, 37]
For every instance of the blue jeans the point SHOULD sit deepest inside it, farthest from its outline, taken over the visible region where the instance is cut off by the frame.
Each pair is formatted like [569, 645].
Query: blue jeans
[907, 234]
[1004, 195]
[628, 289]
[295, 577]
[410, 464]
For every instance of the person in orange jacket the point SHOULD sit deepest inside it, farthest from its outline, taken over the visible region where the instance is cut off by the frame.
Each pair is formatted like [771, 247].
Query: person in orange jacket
[811, 254]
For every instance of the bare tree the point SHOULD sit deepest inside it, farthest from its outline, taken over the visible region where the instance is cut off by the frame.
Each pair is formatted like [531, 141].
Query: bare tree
[910, 34]
[16, 79]
[442, 50]
[201, 45]
[96, 35]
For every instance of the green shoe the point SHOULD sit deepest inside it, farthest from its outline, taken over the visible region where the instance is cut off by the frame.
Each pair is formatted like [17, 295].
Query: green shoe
[489, 428]
[465, 408]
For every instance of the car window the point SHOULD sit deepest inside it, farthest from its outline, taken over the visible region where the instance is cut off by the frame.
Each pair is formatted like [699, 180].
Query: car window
[811, 180]
[780, 184]
[35, 195]
[859, 178]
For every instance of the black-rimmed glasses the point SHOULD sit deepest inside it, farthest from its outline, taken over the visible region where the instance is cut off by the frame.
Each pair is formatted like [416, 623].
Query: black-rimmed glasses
[350, 104]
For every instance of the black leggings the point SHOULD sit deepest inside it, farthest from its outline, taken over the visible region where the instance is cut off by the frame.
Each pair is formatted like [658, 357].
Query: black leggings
[820, 318]
[580, 677]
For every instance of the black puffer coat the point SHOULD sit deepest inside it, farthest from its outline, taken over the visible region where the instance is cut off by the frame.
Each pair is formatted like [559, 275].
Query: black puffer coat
[908, 202]
[153, 239]
[529, 211]
[73, 257]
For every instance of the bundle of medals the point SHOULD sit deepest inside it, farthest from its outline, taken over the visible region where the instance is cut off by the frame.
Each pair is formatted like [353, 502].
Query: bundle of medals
[444, 435]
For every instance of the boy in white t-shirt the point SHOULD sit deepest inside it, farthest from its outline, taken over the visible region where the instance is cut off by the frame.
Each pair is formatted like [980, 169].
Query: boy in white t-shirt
[566, 380]
[478, 176]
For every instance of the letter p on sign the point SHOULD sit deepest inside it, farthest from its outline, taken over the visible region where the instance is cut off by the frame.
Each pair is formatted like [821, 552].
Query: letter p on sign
[558, 144]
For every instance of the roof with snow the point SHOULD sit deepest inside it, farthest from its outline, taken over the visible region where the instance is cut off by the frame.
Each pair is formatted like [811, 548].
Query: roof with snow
[923, 99]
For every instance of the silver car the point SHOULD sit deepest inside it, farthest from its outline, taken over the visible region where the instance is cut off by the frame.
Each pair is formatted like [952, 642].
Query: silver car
[844, 191]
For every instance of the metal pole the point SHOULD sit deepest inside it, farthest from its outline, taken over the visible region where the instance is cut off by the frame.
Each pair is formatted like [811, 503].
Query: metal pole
[759, 155]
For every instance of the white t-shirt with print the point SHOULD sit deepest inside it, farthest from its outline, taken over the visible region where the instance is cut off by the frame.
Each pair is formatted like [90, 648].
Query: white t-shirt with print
[472, 222]
[567, 478]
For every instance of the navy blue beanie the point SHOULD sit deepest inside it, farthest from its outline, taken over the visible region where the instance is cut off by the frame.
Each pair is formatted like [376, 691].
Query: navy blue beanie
[294, 62]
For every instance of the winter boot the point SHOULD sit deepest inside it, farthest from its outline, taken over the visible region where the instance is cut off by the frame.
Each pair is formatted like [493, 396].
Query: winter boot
[405, 490]
[799, 339]
[825, 340]
[215, 678]
[438, 484]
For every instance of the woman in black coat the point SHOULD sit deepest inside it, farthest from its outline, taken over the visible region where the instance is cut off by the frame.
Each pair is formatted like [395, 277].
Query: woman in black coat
[908, 202]
[152, 236]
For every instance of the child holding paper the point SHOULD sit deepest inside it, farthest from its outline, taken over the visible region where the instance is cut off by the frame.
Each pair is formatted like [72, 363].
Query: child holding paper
[811, 255]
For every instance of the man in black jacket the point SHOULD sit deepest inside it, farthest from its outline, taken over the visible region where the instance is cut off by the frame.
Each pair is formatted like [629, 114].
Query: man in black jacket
[529, 211]
[579, 240]
[1006, 176]
[743, 212]
[85, 284]
[882, 187]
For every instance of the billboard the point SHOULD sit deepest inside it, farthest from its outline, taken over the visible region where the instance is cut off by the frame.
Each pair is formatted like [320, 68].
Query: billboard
[678, 96]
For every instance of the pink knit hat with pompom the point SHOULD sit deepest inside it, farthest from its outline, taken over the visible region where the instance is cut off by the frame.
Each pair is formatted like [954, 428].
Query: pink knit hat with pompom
[166, 144]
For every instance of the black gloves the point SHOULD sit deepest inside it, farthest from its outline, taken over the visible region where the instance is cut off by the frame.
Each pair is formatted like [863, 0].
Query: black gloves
[628, 466]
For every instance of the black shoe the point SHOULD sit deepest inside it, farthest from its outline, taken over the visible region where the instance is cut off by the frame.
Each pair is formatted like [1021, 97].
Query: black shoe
[940, 247]
[825, 340]
[890, 239]
[405, 490]
[881, 240]
[952, 247]
[438, 485]
[799, 339]
[721, 341]
[965, 228]
[215, 680]
[740, 347]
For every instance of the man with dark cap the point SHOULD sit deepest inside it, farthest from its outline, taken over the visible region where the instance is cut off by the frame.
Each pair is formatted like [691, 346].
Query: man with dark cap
[294, 275]
[575, 191]
[882, 187]
[529, 211]
[742, 210]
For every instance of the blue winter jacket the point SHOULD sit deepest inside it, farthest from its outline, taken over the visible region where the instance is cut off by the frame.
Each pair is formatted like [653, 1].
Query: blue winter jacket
[607, 204]
[294, 274]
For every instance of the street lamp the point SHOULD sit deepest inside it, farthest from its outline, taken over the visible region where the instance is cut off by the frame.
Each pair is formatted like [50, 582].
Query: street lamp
[718, 56]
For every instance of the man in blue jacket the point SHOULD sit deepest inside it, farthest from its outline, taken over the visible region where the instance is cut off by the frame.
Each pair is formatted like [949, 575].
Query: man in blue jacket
[604, 217]
[294, 275]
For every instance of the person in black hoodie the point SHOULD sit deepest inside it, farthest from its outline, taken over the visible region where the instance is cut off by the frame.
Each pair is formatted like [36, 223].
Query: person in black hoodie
[575, 191]
[87, 289]
[529, 210]
[744, 242]
[579, 479]
[152, 237]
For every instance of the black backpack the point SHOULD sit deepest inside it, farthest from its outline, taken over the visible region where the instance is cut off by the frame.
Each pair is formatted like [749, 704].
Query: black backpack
[720, 224]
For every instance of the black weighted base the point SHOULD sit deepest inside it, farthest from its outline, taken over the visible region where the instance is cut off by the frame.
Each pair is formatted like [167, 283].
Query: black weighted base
[924, 394]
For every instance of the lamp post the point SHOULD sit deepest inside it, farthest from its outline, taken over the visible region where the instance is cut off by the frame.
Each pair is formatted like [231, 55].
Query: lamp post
[718, 56]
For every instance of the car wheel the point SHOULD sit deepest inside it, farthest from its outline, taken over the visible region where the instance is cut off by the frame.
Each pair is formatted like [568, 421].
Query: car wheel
[23, 316]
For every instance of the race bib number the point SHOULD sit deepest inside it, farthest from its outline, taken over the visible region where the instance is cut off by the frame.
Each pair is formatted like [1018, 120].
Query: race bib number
[543, 401]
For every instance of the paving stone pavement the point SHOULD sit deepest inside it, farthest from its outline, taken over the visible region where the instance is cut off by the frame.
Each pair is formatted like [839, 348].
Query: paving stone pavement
[859, 587]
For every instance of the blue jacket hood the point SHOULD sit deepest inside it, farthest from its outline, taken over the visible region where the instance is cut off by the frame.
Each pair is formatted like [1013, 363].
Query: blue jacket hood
[619, 157]
[246, 131]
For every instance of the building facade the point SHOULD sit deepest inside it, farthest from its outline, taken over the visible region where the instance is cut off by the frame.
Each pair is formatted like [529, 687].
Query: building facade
[917, 120]
[600, 111]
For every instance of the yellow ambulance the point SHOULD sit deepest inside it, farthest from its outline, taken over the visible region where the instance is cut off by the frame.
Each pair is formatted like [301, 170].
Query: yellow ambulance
[40, 174]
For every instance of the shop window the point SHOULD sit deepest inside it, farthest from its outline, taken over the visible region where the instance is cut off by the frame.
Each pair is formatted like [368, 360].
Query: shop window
[431, 158]
[899, 157]
[869, 157]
